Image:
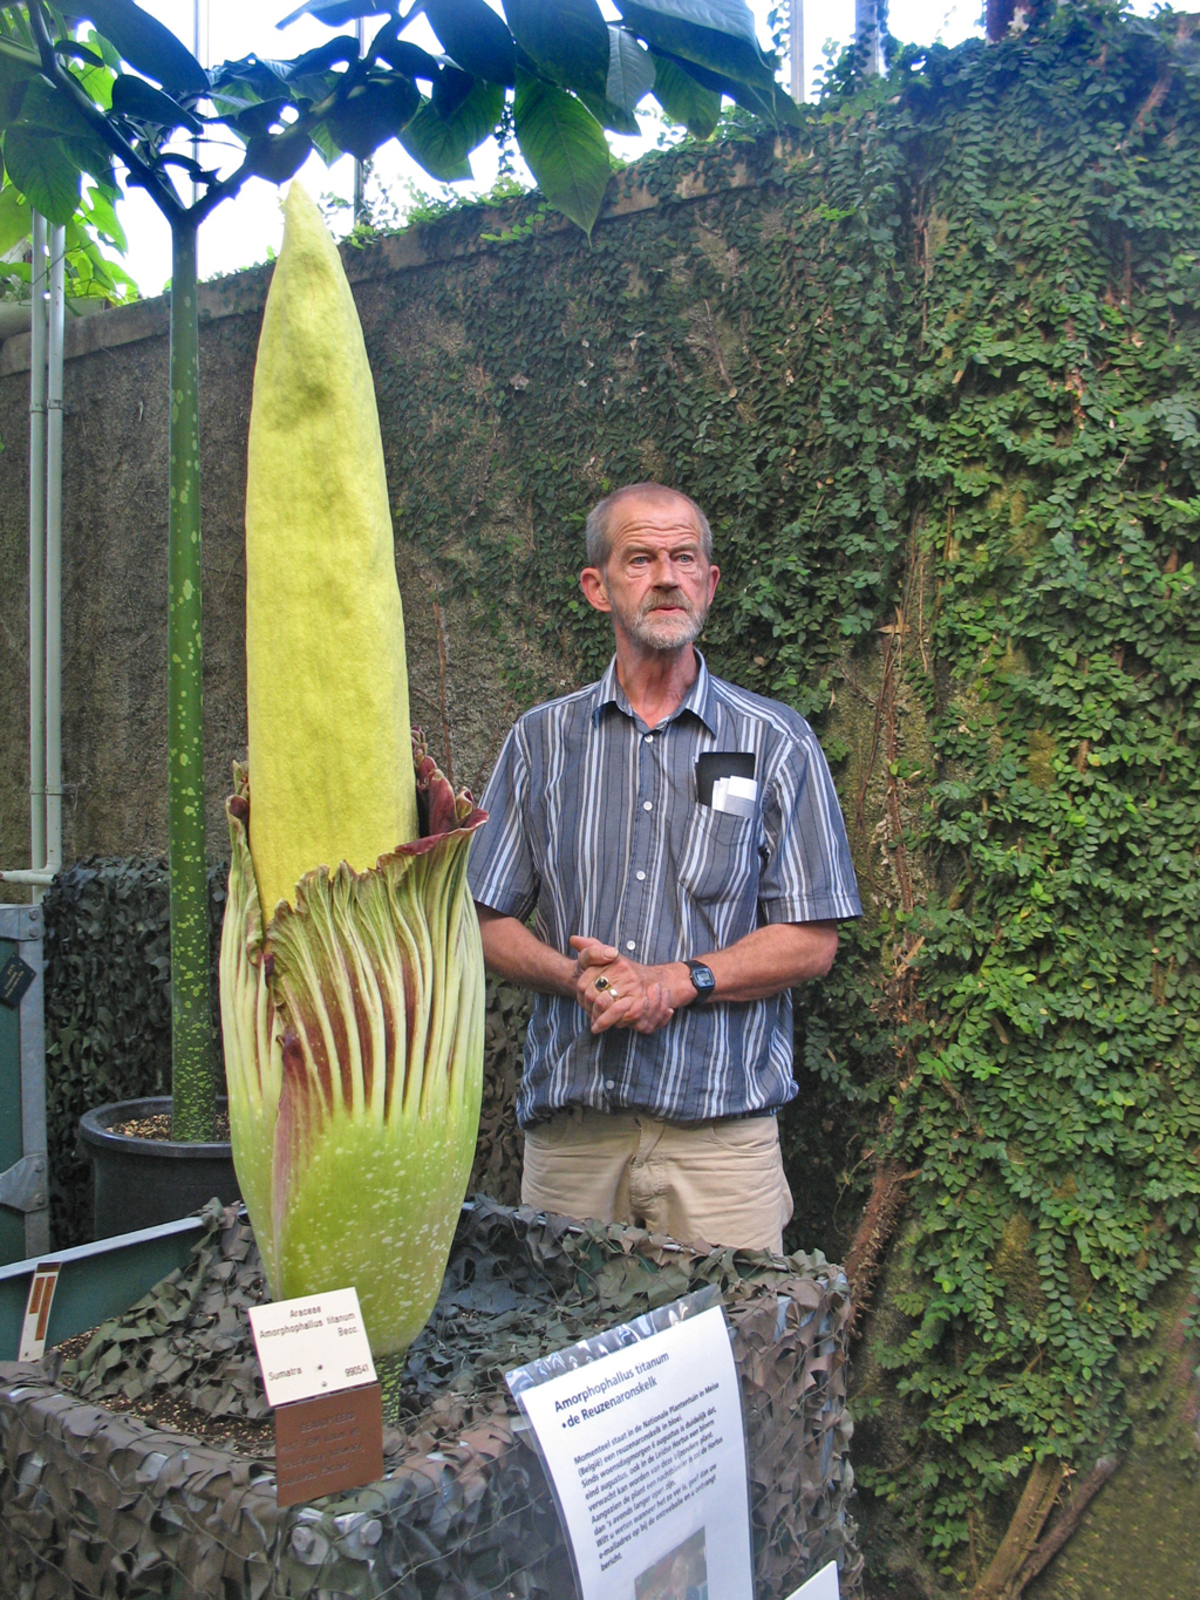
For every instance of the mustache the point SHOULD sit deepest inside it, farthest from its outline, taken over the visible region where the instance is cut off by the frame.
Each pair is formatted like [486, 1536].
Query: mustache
[675, 600]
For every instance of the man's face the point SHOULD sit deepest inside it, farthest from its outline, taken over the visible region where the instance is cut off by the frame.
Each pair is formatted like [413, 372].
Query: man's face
[656, 582]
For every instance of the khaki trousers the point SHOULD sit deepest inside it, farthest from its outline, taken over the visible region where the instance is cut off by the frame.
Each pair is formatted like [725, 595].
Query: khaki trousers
[709, 1183]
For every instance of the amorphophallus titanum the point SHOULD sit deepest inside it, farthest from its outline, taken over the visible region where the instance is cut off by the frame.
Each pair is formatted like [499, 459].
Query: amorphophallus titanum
[351, 965]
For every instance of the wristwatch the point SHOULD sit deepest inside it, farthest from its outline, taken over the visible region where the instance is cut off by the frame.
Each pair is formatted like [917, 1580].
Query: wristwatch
[702, 980]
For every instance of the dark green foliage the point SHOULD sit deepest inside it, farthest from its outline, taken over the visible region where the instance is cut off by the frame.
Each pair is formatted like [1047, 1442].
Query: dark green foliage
[108, 1007]
[1054, 1107]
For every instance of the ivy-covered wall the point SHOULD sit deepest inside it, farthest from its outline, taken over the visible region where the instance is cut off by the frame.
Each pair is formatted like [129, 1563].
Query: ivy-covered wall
[933, 368]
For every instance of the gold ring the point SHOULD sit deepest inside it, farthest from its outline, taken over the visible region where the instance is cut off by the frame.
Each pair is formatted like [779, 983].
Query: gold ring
[602, 982]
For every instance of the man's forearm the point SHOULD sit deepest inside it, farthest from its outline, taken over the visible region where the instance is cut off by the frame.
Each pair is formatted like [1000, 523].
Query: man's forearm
[512, 951]
[764, 963]
[769, 960]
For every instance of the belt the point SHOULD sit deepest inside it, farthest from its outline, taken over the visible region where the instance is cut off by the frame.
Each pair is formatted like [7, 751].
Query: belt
[703, 1122]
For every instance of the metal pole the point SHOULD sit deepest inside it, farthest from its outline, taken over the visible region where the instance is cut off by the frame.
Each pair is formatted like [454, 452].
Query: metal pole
[796, 51]
[33, 1082]
[54, 422]
[866, 36]
[200, 59]
[37, 556]
[360, 31]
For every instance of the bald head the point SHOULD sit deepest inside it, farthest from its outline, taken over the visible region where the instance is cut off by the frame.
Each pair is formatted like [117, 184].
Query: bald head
[598, 530]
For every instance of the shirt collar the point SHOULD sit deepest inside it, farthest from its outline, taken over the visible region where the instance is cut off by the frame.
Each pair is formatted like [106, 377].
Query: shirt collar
[699, 699]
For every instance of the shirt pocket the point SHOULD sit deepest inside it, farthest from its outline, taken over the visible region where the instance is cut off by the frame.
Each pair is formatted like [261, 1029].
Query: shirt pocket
[719, 858]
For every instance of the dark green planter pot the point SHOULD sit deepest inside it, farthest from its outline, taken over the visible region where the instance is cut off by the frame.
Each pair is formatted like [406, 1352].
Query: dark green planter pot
[140, 1183]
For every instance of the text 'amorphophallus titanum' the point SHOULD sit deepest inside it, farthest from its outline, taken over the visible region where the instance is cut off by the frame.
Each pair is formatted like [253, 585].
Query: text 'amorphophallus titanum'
[351, 966]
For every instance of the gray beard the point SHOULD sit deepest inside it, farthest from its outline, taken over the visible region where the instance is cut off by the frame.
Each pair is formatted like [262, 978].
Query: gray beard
[657, 633]
[665, 635]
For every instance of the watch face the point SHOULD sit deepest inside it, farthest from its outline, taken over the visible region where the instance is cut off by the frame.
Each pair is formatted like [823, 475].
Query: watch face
[702, 979]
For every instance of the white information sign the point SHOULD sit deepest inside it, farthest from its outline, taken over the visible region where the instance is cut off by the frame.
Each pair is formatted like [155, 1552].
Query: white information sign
[311, 1347]
[822, 1585]
[646, 1450]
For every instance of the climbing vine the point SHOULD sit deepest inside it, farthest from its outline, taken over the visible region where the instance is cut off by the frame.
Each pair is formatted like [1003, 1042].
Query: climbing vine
[932, 365]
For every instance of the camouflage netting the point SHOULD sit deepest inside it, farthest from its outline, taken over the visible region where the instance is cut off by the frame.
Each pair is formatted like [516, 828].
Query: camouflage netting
[97, 1502]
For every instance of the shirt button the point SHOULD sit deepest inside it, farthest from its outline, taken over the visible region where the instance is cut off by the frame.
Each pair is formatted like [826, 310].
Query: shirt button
[629, 945]
[641, 877]
[647, 805]
[610, 1083]
[647, 738]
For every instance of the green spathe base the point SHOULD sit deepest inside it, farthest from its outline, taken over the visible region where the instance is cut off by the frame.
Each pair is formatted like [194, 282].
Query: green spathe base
[354, 1032]
[378, 1211]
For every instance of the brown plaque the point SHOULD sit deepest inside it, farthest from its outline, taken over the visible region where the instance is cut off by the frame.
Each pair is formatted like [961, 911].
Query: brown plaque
[331, 1443]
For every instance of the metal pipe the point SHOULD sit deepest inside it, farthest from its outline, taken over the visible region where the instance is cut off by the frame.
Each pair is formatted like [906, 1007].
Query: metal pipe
[54, 423]
[796, 50]
[867, 40]
[38, 878]
[37, 553]
[360, 171]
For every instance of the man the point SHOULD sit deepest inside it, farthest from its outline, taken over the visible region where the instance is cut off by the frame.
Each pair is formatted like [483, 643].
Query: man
[680, 842]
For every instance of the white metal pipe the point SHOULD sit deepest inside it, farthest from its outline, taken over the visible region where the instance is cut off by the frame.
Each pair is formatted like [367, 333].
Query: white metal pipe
[37, 551]
[39, 879]
[54, 423]
[360, 171]
[796, 50]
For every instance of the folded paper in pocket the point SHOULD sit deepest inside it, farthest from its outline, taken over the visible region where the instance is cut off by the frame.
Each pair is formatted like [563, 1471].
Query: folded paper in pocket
[737, 795]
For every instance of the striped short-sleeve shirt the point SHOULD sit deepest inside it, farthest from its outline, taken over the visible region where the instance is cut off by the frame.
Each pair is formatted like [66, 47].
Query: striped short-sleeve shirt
[596, 828]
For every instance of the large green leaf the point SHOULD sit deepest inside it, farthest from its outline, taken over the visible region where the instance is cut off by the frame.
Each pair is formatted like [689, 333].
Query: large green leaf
[14, 217]
[16, 79]
[476, 37]
[373, 113]
[48, 111]
[567, 40]
[565, 148]
[47, 114]
[450, 88]
[428, 142]
[630, 70]
[278, 156]
[134, 97]
[442, 144]
[609, 115]
[684, 100]
[733, 17]
[147, 46]
[731, 54]
[43, 172]
[92, 157]
[333, 13]
[766, 101]
[409, 59]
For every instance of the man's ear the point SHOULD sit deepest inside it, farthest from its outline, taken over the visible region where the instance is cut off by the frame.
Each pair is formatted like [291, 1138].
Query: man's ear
[714, 577]
[595, 591]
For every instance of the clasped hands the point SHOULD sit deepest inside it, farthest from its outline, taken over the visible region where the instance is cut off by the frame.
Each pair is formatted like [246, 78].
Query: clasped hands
[619, 993]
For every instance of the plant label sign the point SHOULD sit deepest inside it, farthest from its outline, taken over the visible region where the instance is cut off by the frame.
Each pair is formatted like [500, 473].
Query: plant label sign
[311, 1347]
[646, 1452]
[320, 1378]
